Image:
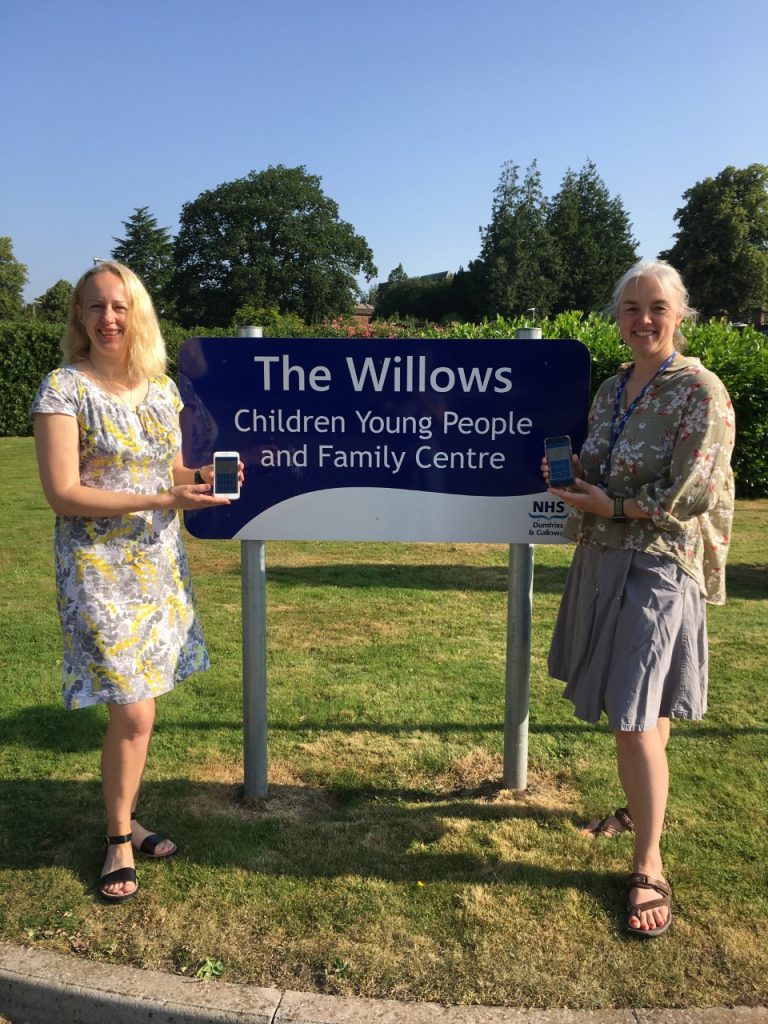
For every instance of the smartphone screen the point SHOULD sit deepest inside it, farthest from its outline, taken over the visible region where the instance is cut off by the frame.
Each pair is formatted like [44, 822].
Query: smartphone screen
[225, 475]
[558, 451]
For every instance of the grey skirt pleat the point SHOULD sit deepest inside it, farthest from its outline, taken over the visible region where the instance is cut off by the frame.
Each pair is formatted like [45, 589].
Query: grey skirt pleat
[630, 639]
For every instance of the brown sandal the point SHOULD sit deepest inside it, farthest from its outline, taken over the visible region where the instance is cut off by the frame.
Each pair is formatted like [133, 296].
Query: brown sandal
[664, 889]
[605, 830]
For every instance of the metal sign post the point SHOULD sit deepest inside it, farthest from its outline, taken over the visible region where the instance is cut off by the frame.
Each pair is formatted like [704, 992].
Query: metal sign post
[254, 575]
[518, 676]
[517, 690]
[253, 564]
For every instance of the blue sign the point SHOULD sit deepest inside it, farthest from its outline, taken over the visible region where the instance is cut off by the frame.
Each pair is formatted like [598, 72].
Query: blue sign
[383, 440]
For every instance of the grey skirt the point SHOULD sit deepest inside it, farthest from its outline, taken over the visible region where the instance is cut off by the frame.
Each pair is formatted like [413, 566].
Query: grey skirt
[630, 639]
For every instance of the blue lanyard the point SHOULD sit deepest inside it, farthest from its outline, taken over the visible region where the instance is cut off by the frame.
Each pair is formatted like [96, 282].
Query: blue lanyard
[619, 422]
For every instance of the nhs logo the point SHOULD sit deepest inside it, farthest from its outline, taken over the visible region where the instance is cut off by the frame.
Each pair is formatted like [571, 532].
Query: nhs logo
[551, 509]
[546, 519]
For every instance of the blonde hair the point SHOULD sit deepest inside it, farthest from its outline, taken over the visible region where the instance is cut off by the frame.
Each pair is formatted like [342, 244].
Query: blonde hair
[668, 277]
[146, 348]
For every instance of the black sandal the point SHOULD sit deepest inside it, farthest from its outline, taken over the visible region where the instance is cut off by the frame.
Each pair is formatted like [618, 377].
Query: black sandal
[151, 842]
[120, 875]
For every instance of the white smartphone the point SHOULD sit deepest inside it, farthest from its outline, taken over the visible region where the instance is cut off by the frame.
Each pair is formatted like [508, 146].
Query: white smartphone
[226, 479]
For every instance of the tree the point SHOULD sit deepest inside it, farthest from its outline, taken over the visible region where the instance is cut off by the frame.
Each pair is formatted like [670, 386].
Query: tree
[397, 274]
[592, 234]
[272, 238]
[13, 277]
[380, 293]
[722, 241]
[369, 295]
[467, 298]
[517, 255]
[54, 304]
[148, 250]
[424, 298]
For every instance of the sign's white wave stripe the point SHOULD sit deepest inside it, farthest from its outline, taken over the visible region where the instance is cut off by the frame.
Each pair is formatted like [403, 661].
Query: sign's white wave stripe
[381, 513]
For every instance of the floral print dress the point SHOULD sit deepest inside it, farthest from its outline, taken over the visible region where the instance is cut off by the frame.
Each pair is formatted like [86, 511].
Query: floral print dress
[123, 587]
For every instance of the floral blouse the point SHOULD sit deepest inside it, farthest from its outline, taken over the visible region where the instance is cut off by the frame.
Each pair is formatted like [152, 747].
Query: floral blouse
[674, 457]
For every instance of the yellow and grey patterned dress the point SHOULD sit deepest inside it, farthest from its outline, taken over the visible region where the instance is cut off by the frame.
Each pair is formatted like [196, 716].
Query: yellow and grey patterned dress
[123, 587]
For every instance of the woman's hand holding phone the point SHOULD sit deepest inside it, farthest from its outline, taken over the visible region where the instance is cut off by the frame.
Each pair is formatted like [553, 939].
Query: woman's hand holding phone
[578, 494]
[585, 497]
[186, 497]
[577, 473]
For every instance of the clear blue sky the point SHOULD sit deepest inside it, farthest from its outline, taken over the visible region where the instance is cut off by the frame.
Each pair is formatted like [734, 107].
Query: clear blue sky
[405, 109]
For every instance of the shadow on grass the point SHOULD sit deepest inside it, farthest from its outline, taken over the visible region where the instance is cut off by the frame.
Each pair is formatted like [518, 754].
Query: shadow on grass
[300, 831]
[56, 729]
[682, 730]
[747, 581]
[52, 727]
[547, 579]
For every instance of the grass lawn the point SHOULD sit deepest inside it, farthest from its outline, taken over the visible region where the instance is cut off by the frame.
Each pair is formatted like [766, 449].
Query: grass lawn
[387, 860]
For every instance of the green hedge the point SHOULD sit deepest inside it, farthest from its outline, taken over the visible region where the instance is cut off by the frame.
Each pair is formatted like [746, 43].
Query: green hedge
[29, 349]
[740, 360]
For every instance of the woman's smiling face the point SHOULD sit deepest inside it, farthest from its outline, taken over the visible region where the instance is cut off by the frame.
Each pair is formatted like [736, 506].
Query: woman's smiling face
[104, 315]
[648, 316]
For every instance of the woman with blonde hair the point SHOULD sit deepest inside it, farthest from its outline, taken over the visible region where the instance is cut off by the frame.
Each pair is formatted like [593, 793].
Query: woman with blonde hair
[108, 446]
[651, 512]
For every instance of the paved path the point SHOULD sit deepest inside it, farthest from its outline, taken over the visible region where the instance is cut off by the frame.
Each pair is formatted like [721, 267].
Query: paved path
[38, 987]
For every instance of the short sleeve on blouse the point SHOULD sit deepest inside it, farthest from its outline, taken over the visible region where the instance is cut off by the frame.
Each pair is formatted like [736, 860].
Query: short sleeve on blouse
[57, 394]
[169, 385]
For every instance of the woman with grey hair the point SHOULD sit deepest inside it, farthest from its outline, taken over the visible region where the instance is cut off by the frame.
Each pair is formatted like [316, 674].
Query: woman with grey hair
[651, 511]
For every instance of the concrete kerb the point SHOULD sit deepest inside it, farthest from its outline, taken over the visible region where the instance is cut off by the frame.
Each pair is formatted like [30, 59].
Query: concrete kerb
[39, 987]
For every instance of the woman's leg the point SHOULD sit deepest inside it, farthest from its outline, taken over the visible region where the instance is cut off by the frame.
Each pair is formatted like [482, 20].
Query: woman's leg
[123, 757]
[614, 825]
[164, 848]
[644, 776]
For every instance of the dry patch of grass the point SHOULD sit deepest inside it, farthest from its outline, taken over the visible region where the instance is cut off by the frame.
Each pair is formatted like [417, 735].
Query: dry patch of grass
[219, 792]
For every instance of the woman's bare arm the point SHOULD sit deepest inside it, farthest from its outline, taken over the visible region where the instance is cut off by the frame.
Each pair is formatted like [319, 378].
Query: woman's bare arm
[57, 446]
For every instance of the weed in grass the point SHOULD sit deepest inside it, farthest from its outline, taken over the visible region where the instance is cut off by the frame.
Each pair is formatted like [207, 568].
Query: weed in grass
[210, 969]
